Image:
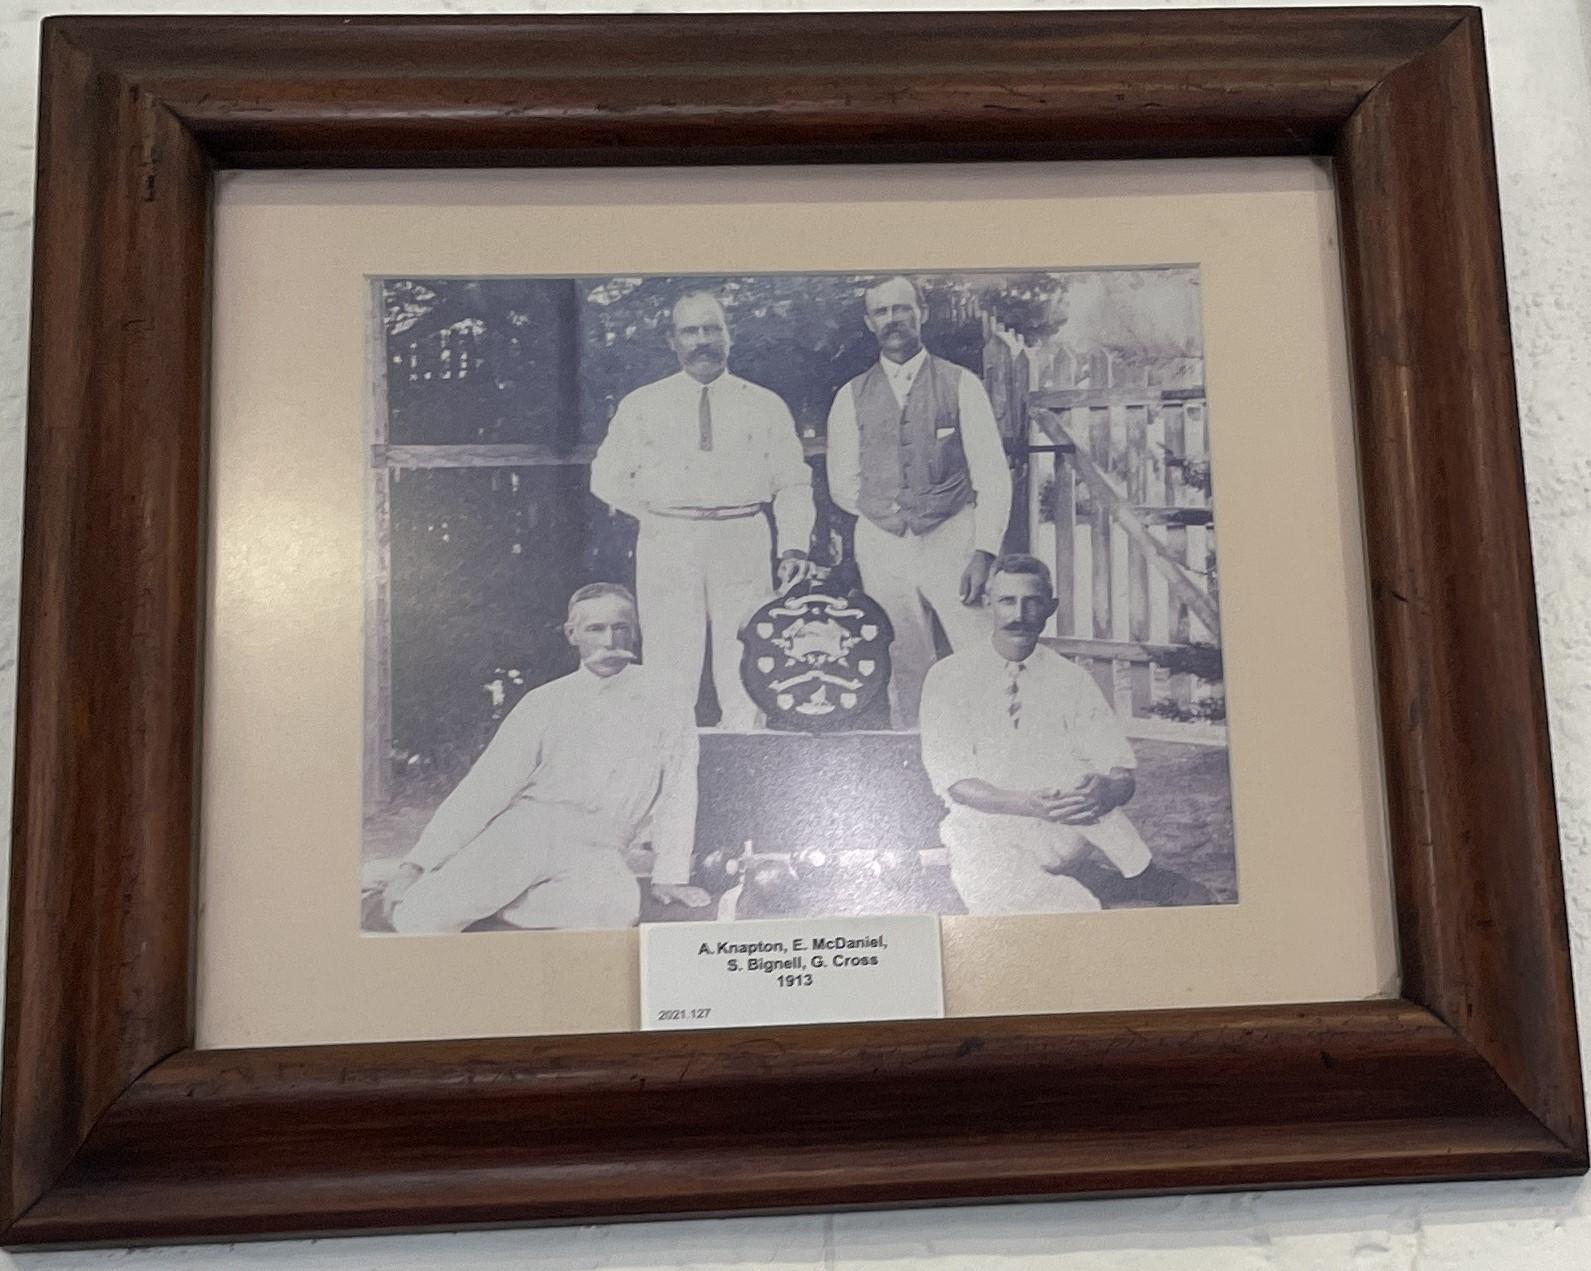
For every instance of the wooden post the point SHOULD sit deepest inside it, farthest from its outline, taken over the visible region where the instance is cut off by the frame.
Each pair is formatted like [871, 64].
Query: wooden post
[1099, 524]
[997, 381]
[1177, 540]
[378, 566]
[1155, 480]
[1019, 531]
[1123, 688]
[1176, 535]
[1137, 458]
[1120, 603]
[1138, 492]
[1017, 395]
[1198, 447]
[1065, 503]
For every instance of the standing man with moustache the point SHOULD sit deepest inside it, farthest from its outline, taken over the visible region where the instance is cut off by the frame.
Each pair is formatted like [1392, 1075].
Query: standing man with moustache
[914, 454]
[696, 458]
[1033, 765]
[580, 770]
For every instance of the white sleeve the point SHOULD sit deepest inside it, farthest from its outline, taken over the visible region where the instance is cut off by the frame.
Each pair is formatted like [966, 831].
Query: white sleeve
[844, 462]
[503, 770]
[991, 478]
[1099, 736]
[674, 813]
[616, 470]
[946, 738]
[793, 512]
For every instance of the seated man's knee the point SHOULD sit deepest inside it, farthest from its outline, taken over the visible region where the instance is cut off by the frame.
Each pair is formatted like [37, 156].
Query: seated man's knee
[418, 912]
[620, 906]
[409, 919]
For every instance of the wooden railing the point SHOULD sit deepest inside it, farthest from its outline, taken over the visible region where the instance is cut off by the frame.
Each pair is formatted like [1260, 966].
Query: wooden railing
[1118, 503]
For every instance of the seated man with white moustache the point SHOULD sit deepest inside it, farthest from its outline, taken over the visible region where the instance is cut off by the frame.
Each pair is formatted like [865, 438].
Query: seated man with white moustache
[581, 769]
[1033, 765]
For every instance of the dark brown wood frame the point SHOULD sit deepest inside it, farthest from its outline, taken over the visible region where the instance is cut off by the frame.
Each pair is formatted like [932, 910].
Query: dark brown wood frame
[116, 1129]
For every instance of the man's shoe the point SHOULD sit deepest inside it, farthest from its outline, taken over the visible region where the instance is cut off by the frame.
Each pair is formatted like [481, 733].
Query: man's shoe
[1158, 885]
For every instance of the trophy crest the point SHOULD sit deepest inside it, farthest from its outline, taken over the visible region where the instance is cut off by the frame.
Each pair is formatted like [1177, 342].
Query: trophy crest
[815, 658]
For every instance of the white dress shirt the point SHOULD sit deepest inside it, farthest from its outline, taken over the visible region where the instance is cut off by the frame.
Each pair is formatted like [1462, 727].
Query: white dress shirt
[1065, 727]
[652, 462]
[614, 752]
[980, 442]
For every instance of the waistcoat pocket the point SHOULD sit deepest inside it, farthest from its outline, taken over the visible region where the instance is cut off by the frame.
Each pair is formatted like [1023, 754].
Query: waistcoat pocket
[947, 459]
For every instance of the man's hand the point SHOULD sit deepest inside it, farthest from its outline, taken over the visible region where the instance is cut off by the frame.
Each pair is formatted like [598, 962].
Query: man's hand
[1037, 804]
[794, 567]
[680, 894]
[999, 801]
[1094, 796]
[975, 578]
[408, 874]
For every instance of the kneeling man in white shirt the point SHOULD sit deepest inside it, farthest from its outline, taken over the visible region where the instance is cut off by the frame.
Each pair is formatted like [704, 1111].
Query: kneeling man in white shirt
[1030, 758]
[580, 770]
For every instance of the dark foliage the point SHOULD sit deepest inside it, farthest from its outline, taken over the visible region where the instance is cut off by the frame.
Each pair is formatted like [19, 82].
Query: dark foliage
[480, 362]
[1198, 659]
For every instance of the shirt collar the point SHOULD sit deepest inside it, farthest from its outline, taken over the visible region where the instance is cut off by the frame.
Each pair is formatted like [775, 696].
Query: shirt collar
[694, 386]
[906, 370]
[594, 683]
[997, 660]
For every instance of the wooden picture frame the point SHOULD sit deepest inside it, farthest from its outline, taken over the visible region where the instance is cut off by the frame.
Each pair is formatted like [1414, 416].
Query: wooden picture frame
[116, 1129]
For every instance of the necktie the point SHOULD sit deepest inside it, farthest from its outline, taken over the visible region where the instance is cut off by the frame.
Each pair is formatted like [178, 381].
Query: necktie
[1013, 702]
[704, 419]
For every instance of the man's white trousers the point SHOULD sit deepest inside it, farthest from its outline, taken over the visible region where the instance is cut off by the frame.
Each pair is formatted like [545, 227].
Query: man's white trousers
[535, 865]
[911, 575]
[696, 583]
[1016, 865]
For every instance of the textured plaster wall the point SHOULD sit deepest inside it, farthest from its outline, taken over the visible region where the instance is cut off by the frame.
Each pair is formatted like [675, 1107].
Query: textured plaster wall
[1539, 52]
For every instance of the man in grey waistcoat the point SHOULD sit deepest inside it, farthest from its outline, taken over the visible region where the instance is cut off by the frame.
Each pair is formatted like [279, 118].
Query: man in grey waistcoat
[914, 454]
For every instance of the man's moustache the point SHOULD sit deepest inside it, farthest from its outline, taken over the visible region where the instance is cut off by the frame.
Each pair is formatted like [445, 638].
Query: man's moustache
[622, 655]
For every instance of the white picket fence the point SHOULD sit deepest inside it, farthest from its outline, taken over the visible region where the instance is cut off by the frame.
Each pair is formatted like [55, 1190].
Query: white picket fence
[1114, 495]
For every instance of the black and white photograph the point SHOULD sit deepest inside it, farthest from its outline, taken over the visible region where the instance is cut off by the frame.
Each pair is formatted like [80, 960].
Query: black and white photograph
[715, 597]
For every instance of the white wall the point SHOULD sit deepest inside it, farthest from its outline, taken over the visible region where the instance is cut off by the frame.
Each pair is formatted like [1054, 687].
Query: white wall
[1538, 52]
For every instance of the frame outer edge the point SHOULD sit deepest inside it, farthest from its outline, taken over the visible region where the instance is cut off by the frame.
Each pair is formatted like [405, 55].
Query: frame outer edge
[1273, 1096]
[99, 977]
[37, 1133]
[1464, 714]
[108, 676]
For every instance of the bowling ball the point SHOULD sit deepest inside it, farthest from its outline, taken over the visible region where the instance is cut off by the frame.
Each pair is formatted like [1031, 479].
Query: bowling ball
[812, 863]
[718, 870]
[850, 882]
[899, 866]
[772, 890]
[901, 875]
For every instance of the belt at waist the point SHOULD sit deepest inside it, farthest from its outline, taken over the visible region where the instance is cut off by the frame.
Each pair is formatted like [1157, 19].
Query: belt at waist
[708, 514]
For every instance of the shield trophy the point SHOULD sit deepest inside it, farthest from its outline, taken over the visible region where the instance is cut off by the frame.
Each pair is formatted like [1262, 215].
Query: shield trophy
[815, 658]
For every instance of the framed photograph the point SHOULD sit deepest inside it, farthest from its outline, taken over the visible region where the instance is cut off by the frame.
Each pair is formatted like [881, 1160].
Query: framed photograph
[516, 526]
